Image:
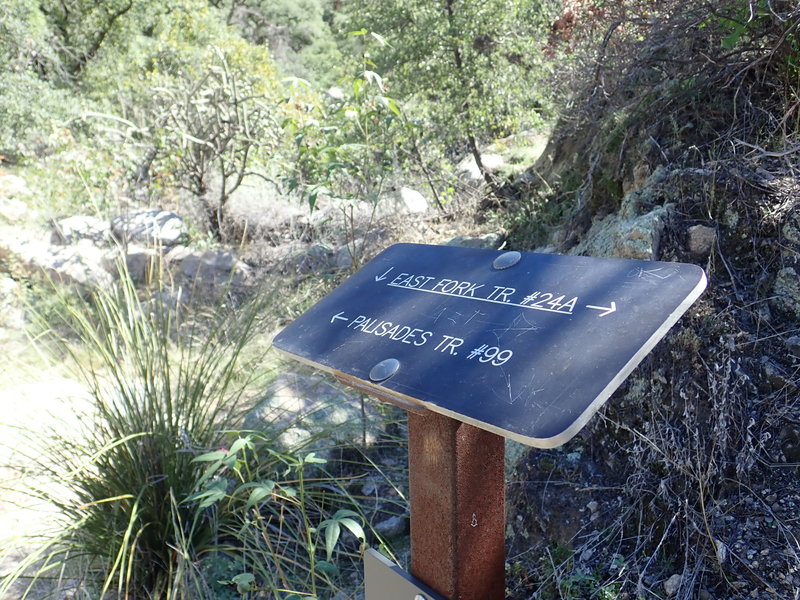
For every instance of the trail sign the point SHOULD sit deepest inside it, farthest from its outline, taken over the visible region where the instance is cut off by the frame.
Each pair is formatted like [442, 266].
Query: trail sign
[528, 346]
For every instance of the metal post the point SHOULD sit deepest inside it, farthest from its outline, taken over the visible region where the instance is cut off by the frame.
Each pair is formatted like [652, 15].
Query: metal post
[457, 490]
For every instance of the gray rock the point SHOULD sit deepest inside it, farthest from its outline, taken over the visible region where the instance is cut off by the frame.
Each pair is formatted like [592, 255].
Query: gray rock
[793, 343]
[343, 258]
[211, 267]
[701, 239]
[151, 227]
[370, 488]
[311, 408]
[82, 263]
[141, 262]
[468, 169]
[492, 241]
[786, 292]
[672, 585]
[412, 200]
[620, 237]
[392, 527]
[773, 376]
[80, 227]
[315, 258]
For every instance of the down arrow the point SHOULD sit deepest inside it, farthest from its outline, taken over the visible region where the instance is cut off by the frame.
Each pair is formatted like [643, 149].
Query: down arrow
[382, 277]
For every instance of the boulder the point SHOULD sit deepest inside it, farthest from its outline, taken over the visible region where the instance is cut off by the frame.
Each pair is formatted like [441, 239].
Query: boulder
[468, 169]
[82, 263]
[80, 227]
[151, 227]
[311, 408]
[413, 201]
[620, 237]
[216, 268]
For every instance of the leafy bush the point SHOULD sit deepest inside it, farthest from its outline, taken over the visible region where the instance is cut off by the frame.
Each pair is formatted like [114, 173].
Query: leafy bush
[297, 32]
[212, 127]
[31, 110]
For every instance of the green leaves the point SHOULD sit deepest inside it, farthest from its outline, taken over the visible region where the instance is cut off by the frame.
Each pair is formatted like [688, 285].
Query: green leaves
[333, 529]
[346, 147]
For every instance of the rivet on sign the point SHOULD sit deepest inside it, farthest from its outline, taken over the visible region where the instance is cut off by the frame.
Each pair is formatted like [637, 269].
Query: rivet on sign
[506, 260]
[384, 369]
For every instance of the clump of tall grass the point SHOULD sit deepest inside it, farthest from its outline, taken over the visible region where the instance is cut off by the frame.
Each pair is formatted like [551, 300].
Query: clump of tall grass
[165, 386]
[160, 494]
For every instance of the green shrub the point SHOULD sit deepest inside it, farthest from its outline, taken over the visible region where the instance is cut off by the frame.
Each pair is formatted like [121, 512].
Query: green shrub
[31, 110]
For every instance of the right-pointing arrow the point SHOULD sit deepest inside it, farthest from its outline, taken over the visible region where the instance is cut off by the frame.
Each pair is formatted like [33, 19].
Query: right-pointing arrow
[607, 310]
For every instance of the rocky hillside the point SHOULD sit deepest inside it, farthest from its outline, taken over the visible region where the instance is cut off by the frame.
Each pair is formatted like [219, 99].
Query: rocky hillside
[687, 484]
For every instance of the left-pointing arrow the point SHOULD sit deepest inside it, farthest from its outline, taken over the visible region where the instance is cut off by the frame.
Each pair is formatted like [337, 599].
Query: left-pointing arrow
[338, 317]
[382, 277]
[607, 310]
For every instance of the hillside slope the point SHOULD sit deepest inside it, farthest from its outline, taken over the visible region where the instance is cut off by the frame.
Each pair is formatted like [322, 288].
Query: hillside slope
[683, 146]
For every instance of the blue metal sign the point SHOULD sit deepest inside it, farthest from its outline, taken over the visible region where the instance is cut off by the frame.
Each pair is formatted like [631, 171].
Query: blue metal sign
[526, 345]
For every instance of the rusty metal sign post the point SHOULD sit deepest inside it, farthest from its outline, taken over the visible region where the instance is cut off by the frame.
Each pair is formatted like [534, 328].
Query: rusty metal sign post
[478, 346]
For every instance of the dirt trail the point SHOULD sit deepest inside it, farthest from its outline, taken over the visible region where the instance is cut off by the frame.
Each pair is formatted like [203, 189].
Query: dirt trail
[33, 397]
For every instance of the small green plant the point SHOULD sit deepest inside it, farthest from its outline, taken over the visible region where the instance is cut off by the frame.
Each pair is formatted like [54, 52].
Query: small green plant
[280, 517]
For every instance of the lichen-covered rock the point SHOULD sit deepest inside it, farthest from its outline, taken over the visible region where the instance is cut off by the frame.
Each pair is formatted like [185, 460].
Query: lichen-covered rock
[791, 229]
[616, 236]
[786, 292]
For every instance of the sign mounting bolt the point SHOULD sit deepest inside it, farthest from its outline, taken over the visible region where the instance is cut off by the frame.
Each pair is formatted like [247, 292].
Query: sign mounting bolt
[384, 370]
[506, 260]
